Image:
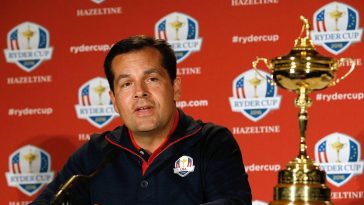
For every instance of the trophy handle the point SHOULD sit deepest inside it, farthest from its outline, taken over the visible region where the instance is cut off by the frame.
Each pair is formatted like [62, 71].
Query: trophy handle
[340, 62]
[269, 66]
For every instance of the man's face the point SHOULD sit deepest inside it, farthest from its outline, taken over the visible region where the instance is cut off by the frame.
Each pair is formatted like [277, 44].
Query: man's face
[144, 95]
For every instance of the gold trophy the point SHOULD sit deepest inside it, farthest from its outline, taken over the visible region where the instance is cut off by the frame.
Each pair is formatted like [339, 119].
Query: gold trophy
[255, 82]
[177, 25]
[100, 89]
[336, 15]
[28, 34]
[303, 71]
[338, 146]
[30, 157]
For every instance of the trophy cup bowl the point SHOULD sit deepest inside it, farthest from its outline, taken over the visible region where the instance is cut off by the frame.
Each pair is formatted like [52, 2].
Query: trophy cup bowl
[303, 71]
[303, 68]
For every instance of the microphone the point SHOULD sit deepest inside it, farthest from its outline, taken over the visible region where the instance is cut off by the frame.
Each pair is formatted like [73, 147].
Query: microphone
[63, 192]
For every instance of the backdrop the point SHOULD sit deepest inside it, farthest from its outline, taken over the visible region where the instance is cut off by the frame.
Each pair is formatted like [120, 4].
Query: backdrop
[54, 94]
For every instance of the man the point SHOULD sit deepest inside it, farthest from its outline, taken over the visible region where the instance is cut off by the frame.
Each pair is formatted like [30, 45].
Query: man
[160, 155]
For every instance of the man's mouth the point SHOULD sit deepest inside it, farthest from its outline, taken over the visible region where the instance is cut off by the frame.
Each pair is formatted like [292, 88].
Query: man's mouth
[143, 108]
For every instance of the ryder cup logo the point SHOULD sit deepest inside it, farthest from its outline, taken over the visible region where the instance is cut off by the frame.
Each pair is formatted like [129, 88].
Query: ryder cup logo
[28, 46]
[29, 169]
[253, 95]
[181, 32]
[339, 155]
[183, 166]
[94, 103]
[336, 26]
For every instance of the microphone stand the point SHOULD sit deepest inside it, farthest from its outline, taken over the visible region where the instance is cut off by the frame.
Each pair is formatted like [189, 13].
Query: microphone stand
[63, 192]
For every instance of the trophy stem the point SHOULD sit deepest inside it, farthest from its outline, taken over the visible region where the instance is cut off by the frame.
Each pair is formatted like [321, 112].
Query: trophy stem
[302, 182]
[303, 147]
[303, 102]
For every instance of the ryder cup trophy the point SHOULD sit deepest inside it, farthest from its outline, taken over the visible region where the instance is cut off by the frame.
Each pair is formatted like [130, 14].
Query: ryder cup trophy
[303, 71]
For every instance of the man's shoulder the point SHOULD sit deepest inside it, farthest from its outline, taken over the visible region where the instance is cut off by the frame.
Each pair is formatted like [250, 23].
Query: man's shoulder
[209, 128]
[214, 133]
[90, 154]
[217, 141]
[99, 139]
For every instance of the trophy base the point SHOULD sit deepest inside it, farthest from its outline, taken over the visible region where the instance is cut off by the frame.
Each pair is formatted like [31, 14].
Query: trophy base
[301, 183]
[301, 194]
[282, 202]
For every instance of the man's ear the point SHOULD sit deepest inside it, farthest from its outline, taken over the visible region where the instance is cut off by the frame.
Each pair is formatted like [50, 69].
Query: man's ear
[112, 97]
[177, 88]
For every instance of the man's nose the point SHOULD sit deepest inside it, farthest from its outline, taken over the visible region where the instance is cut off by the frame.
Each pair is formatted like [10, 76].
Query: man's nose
[141, 90]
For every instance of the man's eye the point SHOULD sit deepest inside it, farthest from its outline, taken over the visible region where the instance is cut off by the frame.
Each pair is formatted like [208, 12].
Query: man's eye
[125, 85]
[152, 79]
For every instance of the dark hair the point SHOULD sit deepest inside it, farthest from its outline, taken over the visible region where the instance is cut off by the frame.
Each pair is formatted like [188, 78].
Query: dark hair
[139, 42]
